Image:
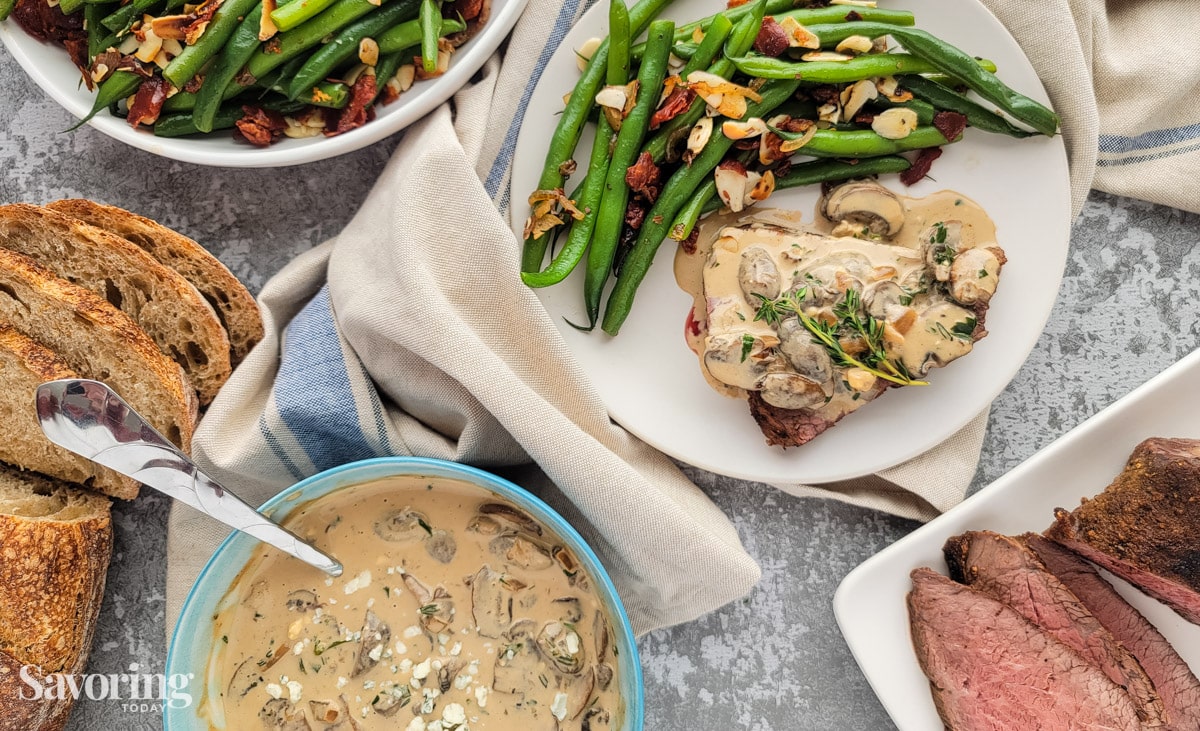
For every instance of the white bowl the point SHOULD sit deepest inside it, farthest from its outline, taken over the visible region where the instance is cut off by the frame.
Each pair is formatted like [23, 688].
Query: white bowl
[49, 66]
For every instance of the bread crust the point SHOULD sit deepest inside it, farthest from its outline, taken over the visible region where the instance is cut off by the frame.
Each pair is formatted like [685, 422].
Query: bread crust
[166, 305]
[52, 576]
[234, 304]
[23, 443]
[62, 316]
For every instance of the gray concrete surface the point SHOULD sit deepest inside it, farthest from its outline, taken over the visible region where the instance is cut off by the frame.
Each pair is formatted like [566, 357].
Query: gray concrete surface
[773, 661]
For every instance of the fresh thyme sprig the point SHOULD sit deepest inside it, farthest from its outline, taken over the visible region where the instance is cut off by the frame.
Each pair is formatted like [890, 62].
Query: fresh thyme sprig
[847, 310]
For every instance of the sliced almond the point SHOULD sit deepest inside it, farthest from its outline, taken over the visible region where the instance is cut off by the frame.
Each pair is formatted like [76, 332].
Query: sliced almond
[266, 26]
[150, 46]
[733, 106]
[895, 124]
[856, 45]
[830, 113]
[879, 45]
[826, 56]
[857, 95]
[612, 97]
[804, 139]
[732, 183]
[129, 45]
[404, 77]
[889, 87]
[752, 127]
[762, 189]
[161, 60]
[855, 3]
[698, 138]
[858, 379]
[172, 47]
[585, 53]
[368, 51]
[697, 34]
[798, 36]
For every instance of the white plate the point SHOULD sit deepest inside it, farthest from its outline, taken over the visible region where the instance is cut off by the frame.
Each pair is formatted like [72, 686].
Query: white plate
[651, 382]
[870, 603]
[49, 66]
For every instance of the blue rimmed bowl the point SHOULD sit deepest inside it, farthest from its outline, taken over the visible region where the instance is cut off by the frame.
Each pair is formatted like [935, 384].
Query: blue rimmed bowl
[192, 642]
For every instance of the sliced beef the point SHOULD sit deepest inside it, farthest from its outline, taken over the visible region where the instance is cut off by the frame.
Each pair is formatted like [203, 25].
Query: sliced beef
[1174, 681]
[990, 668]
[1009, 572]
[1143, 527]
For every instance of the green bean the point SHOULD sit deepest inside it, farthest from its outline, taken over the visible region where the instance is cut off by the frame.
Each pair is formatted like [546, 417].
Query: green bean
[591, 191]
[691, 212]
[224, 22]
[950, 60]
[674, 196]
[283, 106]
[865, 143]
[69, 6]
[112, 90]
[571, 121]
[408, 34]
[288, 45]
[431, 30]
[277, 81]
[6, 8]
[331, 94]
[97, 36]
[708, 49]
[344, 46]
[615, 198]
[237, 51]
[121, 18]
[740, 40]
[925, 111]
[181, 125]
[977, 115]
[833, 72]
[780, 9]
[291, 15]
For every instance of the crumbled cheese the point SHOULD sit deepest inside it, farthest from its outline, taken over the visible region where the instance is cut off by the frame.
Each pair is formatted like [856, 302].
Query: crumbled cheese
[456, 649]
[559, 706]
[430, 695]
[401, 648]
[274, 690]
[437, 664]
[328, 582]
[572, 643]
[295, 628]
[454, 713]
[411, 631]
[434, 725]
[417, 724]
[298, 647]
[368, 685]
[462, 681]
[370, 602]
[443, 638]
[391, 570]
[341, 682]
[376, 653]
[481, 695]
[421, 669]
[473, 668]
[406, 665]
[362, 581]
[294, 690]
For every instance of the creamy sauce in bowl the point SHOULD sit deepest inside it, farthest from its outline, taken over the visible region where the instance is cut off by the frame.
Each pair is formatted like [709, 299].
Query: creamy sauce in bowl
[457, 611]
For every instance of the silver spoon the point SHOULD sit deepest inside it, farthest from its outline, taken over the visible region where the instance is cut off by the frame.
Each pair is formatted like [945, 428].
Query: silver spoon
[90, 419]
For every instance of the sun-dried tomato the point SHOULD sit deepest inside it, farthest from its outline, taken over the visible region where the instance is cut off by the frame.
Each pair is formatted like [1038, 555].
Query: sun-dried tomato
[193, 85]
[467, 9]
[853, 15]
[689, 244]
[864, 118]
[643, 177]
[259, 126]
[635, 214]
[825, 94]
[783, 168]
[774, 149]
[77, 50]
[47, 23]
[920, 166]
[355, 114]
[148, 101]
[676, 103]
[950, 124]
[735, 3]
[772, 39]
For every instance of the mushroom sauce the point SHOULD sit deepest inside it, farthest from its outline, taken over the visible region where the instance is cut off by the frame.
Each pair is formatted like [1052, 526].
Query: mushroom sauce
[456, 611]
[895, 282]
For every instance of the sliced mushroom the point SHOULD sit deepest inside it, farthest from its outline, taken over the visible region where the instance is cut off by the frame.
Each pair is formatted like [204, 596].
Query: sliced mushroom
[483, 525]
[517, 664]
[569, 608]
[491, 602]
[521, 552]
[882, 295]
[282, 714]
[301, 600]
[403, 526]
[596, 719]
[333, 715]
[441, 546]
[438, 613]
[974, 275]
[566, 561]
[561, 646]
[392, 697]
[373, 638]
[579, 691]
[419, 590]
[604, 675]
[808, 358]
[511, 515]
[791, 391]
[739, 359]
[866, 203]
[942, 241]
[758, 275]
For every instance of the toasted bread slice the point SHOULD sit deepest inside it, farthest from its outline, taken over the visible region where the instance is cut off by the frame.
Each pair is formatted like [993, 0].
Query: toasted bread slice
[166, 306]
[24, 365]
[97, 341]
[57, 544]
[234, 305]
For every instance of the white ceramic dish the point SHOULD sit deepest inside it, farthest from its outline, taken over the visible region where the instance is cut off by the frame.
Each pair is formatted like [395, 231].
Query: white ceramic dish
[870, 603]
[49, 66]
[651, 382]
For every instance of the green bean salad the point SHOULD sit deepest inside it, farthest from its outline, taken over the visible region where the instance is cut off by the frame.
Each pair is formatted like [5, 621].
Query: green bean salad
[267, 69]
[721, 112]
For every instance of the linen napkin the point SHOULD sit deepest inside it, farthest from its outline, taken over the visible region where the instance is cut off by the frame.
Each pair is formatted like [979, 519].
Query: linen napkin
[410, 334]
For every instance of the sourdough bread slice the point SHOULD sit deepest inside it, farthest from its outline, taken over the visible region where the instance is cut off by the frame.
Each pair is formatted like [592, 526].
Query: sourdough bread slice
[234, 305]
[97, 341]
[166, 306]
[24, 365]
[55, 545]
